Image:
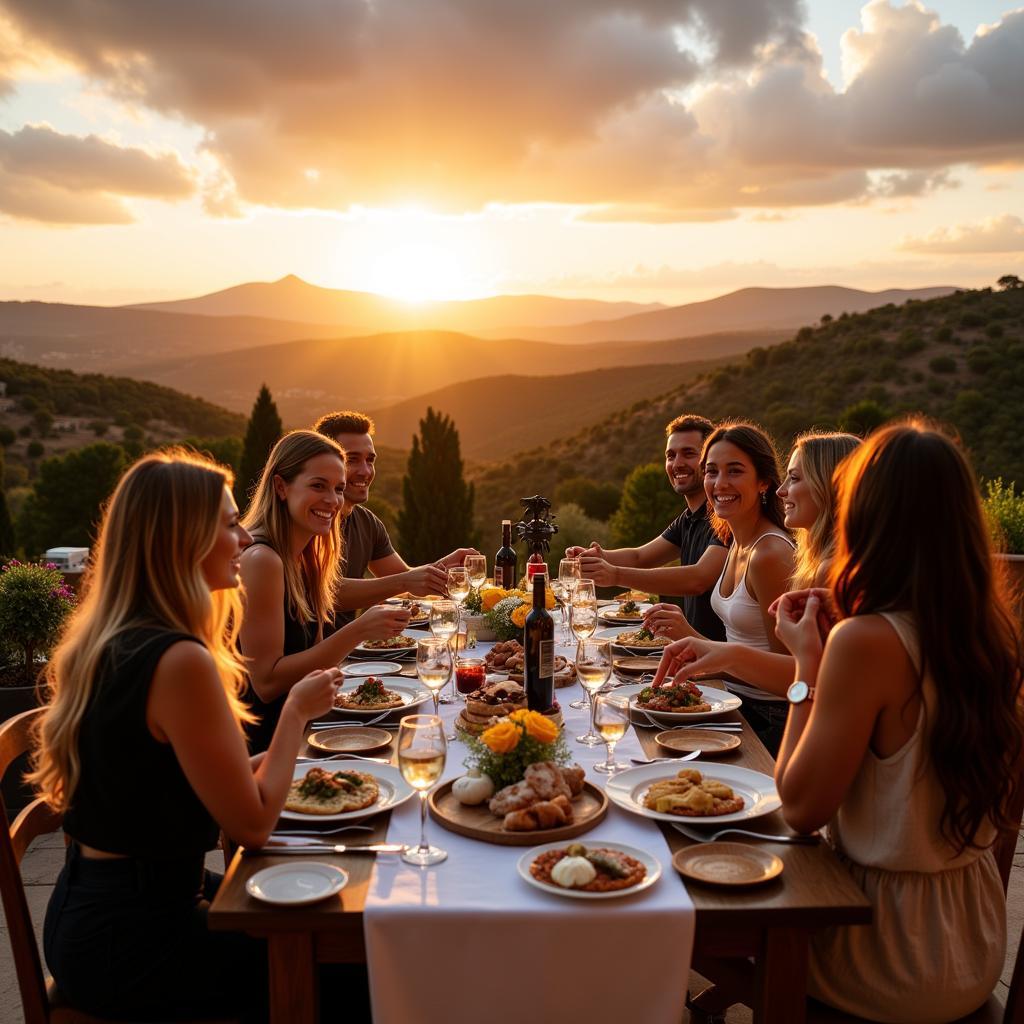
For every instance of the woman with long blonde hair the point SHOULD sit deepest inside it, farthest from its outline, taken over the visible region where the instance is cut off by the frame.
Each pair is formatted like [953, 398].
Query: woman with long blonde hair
[904, 734]
[141, 748]
[808, 503]
[292, 572]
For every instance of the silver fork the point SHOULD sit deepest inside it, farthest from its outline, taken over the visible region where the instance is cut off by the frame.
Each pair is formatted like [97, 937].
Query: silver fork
[321, 832]
[708, 837]
[344, 725]
[656, 760]
[344, 757]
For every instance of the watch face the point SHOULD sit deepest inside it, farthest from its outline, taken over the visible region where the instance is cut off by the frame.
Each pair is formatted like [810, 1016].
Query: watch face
[797, 692]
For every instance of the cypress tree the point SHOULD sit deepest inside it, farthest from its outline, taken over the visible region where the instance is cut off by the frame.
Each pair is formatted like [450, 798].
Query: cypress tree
[7, 543]
[261, 435]
[437, 512]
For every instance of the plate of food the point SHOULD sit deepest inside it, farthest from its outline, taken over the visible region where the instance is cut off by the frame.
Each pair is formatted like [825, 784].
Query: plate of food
[625, 611]
[394, 647]
[343, 790]
[593, 871]
[700, 793]
[550, 801]
[371, 668]
[505, 660]
[635, 641]
[673, 703]
[372, 695]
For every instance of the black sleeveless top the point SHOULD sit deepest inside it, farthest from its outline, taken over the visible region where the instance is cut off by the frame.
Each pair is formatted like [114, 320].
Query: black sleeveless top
[298, 636]
[132, 796]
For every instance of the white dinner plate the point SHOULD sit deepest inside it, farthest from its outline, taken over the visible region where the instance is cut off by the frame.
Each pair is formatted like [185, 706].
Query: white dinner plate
[394, 790]
[760, 796]
[636, 618]
[396, 653]
[371, 668]
[721, 701]
[297, 883]
[648, 860]
[412, 696]
[613, 632]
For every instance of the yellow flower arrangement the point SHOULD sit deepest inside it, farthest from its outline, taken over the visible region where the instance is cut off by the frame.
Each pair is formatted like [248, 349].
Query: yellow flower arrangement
[502, 738]
[518, 616]
[511, 745]
[540, 727]
[490, 596]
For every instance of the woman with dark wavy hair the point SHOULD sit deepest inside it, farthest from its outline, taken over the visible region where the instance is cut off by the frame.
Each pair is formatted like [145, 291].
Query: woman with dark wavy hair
[904, 730]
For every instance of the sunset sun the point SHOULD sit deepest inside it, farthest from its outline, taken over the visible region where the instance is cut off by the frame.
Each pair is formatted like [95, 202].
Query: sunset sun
[420, 272]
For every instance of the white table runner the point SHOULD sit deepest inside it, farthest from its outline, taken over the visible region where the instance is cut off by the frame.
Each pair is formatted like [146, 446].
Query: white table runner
[469, 940]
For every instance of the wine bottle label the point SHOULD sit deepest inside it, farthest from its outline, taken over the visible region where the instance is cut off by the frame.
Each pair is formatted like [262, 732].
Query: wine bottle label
[547, 658]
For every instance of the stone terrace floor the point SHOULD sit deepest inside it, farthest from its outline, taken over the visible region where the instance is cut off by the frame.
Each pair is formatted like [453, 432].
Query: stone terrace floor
[43, 860]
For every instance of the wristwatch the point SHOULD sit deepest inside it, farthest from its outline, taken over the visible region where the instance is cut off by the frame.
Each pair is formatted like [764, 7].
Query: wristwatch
[799, 691]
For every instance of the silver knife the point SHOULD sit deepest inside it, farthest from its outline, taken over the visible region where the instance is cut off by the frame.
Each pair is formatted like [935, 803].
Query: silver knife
[308, 847]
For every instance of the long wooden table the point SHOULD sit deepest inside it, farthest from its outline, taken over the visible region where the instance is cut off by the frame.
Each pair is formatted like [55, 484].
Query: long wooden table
[771, 923]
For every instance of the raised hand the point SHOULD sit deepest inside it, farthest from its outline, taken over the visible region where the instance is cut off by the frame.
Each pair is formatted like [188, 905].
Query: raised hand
[313, 695]
[828, 614]
[456, 558]
[576, 551]
[382, 622]
[593, 567]
[426, 579]
[797, 625]
[666, 620]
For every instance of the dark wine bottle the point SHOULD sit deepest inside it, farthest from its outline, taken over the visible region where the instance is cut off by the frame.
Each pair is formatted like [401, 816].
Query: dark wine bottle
[506, 563]
[539, 650]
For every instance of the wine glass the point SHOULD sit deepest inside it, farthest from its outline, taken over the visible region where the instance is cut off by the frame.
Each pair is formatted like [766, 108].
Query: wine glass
[476, 570]
[444, 624]
[569, 573]
[562, 595]
[433, 665]
[611, 717]
[584, 623]
[594, 668]
[421, 757]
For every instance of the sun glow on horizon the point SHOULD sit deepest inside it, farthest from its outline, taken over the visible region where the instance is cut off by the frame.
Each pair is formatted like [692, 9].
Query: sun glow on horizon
[422, 272]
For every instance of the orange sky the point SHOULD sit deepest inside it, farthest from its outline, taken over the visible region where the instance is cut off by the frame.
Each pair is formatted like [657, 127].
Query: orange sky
[648, 150]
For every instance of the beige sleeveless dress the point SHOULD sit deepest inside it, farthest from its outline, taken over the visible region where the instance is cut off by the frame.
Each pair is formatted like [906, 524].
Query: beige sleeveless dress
[937, 943]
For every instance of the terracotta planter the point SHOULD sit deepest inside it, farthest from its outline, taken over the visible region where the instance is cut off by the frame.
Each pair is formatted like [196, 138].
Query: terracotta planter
[1014, 566]
[479, 627]
[14, 700]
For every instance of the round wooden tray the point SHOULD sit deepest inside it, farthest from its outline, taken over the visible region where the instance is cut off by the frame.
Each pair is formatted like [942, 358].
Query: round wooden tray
[588, 809]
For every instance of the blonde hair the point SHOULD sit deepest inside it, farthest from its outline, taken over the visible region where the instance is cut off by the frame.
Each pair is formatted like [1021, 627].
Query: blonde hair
[160, 523]
[820, 454]
[311, 581]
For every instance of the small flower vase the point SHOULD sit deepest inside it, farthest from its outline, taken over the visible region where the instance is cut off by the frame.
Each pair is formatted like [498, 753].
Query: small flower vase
[479, 627]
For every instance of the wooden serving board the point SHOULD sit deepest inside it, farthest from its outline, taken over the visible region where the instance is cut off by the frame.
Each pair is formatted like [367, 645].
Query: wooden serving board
[588, 809]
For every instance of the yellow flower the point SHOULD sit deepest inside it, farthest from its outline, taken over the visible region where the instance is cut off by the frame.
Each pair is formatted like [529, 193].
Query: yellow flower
[519, 615]
[502, 738]
[518, 716]
[549, 599]
[490, 596]
[540, 727]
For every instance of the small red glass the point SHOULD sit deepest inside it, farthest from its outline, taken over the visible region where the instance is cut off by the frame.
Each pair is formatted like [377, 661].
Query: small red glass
[470, 674]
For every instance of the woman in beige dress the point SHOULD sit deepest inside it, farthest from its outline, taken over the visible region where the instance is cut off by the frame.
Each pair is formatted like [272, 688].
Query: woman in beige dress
[904, 738]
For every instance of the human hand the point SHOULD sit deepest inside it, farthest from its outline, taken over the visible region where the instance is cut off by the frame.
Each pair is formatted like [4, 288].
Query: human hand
[797, 626]
[426, 579]
[828, 614]
[693, 656]
[666, 620]
[674, 658]
[382, 622]
[456, 558]
[576, 551]
[597, 569]
[313, 695]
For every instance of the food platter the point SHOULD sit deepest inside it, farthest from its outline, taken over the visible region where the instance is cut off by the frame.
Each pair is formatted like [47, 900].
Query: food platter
[588, 808]
[412, 695]
[729, 864]
[655, 647]
[760, 796]
[649, 861]
[612, 613]
[721, 701]
[394, 790]
[397, 653]
[685, 741]
[349, 740]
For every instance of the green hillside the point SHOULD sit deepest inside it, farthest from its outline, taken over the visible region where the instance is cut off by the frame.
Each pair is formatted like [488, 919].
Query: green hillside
[959, 359]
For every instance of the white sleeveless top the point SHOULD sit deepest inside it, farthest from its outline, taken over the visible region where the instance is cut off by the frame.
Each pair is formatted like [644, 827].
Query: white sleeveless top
[744, 624]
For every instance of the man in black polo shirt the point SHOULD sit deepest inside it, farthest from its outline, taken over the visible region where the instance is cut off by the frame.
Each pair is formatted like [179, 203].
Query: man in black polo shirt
[689, 537]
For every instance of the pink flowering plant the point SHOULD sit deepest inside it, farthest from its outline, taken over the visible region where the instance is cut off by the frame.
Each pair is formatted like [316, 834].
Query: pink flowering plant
[35, 602]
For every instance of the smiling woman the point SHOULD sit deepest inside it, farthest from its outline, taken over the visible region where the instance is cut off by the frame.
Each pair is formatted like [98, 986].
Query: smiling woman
[420, 272]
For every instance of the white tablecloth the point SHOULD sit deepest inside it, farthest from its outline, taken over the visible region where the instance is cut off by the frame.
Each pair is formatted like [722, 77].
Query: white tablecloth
[468, 940]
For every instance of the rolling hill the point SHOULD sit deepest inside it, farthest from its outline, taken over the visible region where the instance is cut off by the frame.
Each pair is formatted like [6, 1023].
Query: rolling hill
[310, 377]
[743, 310]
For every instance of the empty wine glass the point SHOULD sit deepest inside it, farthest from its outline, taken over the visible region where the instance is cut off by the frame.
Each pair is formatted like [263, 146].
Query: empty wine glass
[584, 623]
[421, 756]
[476, 570]
[444, 623]
[569, 573]
[594, 668]
[611, 717]
[433, 665]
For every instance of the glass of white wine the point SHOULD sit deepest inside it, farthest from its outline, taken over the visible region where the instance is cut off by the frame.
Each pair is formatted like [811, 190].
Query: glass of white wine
[594, 669]
[584, 624]
[421, 757]
[569, 573]
[611, 717]
[476, 570]
[444, 624]
[434, 665]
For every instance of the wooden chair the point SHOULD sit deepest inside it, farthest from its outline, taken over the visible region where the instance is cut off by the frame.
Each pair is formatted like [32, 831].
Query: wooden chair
[40, 1000]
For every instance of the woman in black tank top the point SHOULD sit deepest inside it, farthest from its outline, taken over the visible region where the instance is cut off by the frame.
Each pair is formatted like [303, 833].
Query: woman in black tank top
[141, 750]
[291, 573]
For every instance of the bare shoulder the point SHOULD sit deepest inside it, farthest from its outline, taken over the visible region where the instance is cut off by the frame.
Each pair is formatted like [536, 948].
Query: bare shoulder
[771, 555]
[261, 558]
[868, 646]
[184, 660]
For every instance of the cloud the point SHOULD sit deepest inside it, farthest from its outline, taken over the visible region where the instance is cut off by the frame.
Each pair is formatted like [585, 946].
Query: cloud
[70, 179]
[649, 110]
[997, 234]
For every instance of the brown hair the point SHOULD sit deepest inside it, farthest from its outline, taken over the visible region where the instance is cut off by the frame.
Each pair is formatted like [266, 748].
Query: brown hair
[345, 422]
[310, 582]
[911, 537]
[689, 421]
[758, 447]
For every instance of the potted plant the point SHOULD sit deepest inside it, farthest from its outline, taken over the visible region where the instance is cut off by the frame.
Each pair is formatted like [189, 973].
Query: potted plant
[1005, 511]
[35, 601]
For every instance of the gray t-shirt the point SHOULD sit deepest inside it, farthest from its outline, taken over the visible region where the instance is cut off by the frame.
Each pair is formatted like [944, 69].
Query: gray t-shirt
[366, 540]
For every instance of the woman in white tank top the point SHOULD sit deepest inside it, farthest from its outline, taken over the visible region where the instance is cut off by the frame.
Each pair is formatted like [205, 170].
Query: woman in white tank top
[907, 740]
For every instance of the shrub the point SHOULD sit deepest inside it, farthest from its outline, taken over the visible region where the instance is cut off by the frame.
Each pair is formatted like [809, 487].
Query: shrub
[994, 331]
[35, 449]
[980, 359]
[1005, 511]
[942, 364]
[863, 417]
[972, 320]
[944, 334]
[34, 603]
